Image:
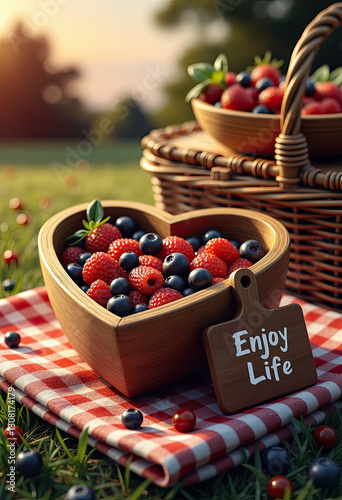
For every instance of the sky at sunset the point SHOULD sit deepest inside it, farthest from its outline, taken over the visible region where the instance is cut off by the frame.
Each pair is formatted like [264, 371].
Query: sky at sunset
[115, 43]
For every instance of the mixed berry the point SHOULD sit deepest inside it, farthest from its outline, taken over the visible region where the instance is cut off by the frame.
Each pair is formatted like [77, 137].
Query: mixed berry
[132, 271]
[260, 88]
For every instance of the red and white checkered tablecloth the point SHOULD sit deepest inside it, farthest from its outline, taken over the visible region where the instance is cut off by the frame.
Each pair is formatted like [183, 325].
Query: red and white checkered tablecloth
[53, 381]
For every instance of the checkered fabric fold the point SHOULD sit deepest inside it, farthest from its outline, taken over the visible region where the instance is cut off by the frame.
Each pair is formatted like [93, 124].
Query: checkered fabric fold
[54, 382]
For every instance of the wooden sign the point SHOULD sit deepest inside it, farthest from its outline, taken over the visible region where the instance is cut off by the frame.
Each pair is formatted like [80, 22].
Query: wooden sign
[260, 354]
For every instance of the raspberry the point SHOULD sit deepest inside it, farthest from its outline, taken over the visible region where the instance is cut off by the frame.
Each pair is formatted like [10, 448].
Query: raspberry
[238, 264]
[122, 245]
[210, 262]
[137, 297]
[176, 244]
[223, 249]
[70, 255]
[164, 296]
[217, 280]
[146, 279]
[101, 237]
[102, 266]
[100, 292]
[152, 261]
[200, 250]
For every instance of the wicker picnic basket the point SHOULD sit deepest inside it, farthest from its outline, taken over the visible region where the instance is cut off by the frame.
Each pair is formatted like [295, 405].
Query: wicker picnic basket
[190, 170]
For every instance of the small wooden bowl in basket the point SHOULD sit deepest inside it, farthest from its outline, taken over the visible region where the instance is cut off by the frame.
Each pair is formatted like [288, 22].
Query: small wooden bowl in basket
[142, 352]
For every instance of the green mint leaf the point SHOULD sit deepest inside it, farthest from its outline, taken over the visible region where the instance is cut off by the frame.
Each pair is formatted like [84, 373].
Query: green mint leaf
[195, 91]
[336, 76]
[200, 71]
[322, 74]
[95, 211]
[75, 238]
[221, 63]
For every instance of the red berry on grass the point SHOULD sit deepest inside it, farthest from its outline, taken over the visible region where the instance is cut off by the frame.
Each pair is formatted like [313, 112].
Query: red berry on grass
[146, 280]
[100, 292]
[325, 437]
[102, 266]
[22, 219]
[10, 256]
[184, 420]
[238, 264]
[237, 98]
[277, 486]
[211, 94]
[122, 245]
[101, 237]
[176, 244]
[15, 204]
[14, 434]
[223, 249]
[164, 296]
[70, 255]
[212, 263]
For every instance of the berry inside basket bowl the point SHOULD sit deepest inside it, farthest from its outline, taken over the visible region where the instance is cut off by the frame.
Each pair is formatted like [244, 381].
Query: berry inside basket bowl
[254, 134]
[149, 349]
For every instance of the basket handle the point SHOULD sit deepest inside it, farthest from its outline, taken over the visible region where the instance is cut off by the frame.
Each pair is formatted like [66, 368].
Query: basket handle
[291, 151]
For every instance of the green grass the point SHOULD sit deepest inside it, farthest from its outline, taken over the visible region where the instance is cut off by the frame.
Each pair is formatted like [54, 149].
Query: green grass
[110, 173]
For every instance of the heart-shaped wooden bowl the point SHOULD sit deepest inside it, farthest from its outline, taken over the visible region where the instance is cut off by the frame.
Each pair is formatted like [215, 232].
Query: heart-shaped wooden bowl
[142, 352]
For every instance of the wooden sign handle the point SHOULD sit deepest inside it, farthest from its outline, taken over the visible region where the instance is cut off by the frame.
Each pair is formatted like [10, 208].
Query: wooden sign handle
[245, 289]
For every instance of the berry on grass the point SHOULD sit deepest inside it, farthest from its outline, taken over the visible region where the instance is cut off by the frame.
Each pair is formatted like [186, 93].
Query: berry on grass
[146, 279]
[132, 418]
[325, 473]
[8, 285]
[10, 256]
[29, 463]
[100, 292]
[14, 434]
[209, 261]
[16, 204]
[121, 305]
[277, 486]
[163, 296]
[12, 339]
[80, 492]
[102, 266]
[122, 245]
[325, 437]
[223, 249]
[275, 460]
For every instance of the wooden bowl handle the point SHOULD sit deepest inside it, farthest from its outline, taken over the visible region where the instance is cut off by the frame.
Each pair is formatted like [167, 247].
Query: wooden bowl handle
[291, 151]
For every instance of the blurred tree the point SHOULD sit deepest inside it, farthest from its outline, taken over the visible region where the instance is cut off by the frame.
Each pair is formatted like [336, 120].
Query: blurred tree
[240, 29]
[127, 120]
[34, 101]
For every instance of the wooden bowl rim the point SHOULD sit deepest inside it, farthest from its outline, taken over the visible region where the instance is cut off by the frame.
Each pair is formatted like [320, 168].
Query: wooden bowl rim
[199, 103]
[49, 257]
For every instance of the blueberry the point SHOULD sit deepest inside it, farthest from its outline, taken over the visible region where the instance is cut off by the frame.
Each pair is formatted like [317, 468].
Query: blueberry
[175, 282]
[126, 225]
[121, 305]
[84, 287]
[209, 235]
[120, 286]
[74, 271]
[261, 109]
[275, 460]
[243, 79]
[12, 339]
[83, 257]
[218, 104]
[263, 83]
[8, 285]
[129, 260]
[309, 88]
[140, 308]
[80, 492]
[200, 278]
[176, 263]
[188, 291]
[138, 234]
[194, 242]
[29, 463]
[150, 243]
[132, 418]
[235, 243]
[251, 250]
[325, 473]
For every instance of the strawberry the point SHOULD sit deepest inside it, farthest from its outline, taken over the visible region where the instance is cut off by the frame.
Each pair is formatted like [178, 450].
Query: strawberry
[237, 98]
[176, 244]
[211, 94]
[328, 89]
[223, 249]
[152, 261]
[266, 68]
[138, 297]
[230, 78]
[271, 98]
[331, 105]
[100, 292]
[238, 264]
[146, 279]
[122, 245]
[217, 280]
[164, 296]
[102, 266]
[313, 108]
[96, 239]
[70, 255]
[212, 263]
